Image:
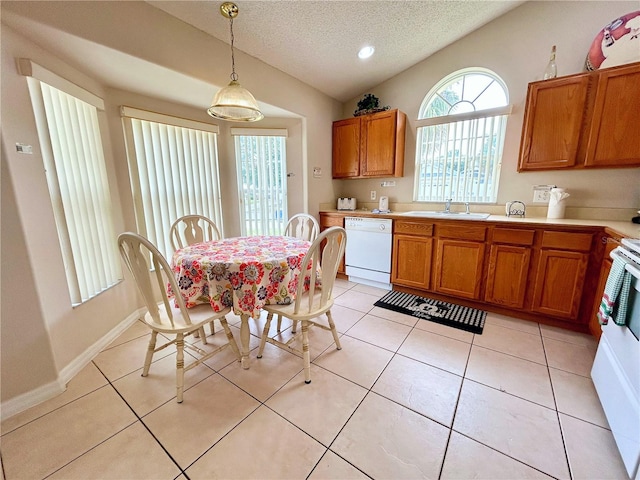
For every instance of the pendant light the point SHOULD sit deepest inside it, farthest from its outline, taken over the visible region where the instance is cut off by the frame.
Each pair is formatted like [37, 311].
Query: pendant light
[234, 102]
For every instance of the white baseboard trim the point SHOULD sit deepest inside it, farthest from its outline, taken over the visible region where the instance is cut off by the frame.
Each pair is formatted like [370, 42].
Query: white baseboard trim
[40, 394]
[30, 399]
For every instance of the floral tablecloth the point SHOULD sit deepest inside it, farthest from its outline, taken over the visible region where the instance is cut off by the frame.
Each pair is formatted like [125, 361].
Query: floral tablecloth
[244, 273]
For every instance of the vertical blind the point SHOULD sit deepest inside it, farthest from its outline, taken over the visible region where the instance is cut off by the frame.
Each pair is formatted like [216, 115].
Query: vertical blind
[262, 182]
[79, 189]
[460, 160]
[174, 172]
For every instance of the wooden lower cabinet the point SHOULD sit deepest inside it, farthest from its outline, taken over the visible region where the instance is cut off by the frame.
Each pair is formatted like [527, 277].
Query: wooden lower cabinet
[559, 279]
[411, 262]
[533, 272]
[333, 220]
[458, 269]
[507, 275]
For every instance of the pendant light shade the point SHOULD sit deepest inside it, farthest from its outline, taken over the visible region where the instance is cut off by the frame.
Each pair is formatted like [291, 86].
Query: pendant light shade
[234, 102]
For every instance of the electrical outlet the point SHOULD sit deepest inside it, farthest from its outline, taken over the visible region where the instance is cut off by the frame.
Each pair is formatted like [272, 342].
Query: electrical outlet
[540, 196]
[542, 193]
[373, 194]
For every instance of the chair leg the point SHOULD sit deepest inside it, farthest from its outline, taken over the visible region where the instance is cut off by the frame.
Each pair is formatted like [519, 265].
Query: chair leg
[333, 330]
[203, 335]
[150, 351]
[213, 327]
[265, 333]
[306, 355]
[179, 366]
[230, 339]
[279, 322]
[295, 326]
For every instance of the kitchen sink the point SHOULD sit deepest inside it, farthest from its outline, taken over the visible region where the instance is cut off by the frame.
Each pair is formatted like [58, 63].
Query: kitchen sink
[448, 215]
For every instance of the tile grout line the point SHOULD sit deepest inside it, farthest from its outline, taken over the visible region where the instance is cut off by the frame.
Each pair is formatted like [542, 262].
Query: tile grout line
[555, 401]
[183, 472]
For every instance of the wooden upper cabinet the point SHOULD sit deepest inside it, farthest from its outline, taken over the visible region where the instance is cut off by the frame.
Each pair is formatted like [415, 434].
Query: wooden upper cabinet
[369, 145]
[587, 120]
[553, 123]
[346, 148]
[613, 135]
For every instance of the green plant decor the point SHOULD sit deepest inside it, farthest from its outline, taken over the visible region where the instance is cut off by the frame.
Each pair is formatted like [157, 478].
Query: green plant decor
[369, 104]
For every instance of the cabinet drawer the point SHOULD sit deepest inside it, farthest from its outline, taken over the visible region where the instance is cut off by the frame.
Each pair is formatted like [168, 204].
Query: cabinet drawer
[579, 242]
[331, 222]
[413, 228]
[462, 232]
[513, 236]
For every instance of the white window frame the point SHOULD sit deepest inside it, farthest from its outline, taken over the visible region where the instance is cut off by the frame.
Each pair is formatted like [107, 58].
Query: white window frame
[70, 139]
[271, 217]
[469, 132]
[167, 153]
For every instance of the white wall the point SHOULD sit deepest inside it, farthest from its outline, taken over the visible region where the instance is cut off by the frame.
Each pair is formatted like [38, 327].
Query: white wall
[38, 274]
[42, 335]
[516, 46]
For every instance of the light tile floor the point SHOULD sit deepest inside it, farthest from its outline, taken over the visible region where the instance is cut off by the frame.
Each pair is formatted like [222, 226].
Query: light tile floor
[404, 398]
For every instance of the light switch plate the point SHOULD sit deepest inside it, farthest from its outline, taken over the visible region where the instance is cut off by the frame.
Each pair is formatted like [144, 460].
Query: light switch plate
[317, 172]
[23, 148]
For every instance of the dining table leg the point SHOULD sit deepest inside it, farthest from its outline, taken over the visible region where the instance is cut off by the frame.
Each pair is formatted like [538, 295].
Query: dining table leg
[244, 340]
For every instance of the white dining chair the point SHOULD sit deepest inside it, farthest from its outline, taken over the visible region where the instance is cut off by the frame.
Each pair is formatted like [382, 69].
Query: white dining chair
[303, 226]
[318, 300]
[191, 229]
[170, 317]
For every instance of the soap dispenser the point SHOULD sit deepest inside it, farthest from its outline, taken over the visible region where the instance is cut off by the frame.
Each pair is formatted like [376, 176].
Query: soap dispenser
[636, 219]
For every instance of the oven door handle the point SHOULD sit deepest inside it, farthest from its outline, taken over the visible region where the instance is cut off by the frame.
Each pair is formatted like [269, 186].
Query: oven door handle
[630, 265]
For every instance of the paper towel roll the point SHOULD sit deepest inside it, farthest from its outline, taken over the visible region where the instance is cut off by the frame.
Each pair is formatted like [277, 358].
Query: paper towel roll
[557, 205]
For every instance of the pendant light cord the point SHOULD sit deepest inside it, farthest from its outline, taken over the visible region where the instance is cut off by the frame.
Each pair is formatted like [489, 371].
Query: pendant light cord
[234, 75]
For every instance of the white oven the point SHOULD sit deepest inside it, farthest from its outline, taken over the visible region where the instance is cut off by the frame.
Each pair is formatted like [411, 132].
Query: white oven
[616, 368]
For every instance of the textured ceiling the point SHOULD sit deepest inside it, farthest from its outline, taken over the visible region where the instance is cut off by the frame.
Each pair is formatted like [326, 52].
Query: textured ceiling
[317, 41]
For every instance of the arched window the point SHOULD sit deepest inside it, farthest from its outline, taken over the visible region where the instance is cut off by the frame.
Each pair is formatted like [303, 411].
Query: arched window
[460, 138]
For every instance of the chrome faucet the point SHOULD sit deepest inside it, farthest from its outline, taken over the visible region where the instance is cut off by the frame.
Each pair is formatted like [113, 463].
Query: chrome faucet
[447, 205]
[466, 206]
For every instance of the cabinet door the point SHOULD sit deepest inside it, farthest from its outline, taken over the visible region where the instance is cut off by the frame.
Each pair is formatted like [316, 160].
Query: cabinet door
[411, 262]
[346, 148]
[613, 136]
[378, 144]
[558, 284]
[507, 275]
[332, 220]
[458, 270]
[553, 123]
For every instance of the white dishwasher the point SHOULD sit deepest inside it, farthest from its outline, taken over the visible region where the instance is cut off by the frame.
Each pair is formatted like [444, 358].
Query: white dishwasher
[368, 253]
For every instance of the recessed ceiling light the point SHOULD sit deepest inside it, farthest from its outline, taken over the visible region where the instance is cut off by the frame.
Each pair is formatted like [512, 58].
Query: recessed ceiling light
[366, 52]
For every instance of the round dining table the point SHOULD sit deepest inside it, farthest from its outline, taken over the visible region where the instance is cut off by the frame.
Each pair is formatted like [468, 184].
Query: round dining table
[243, 273]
